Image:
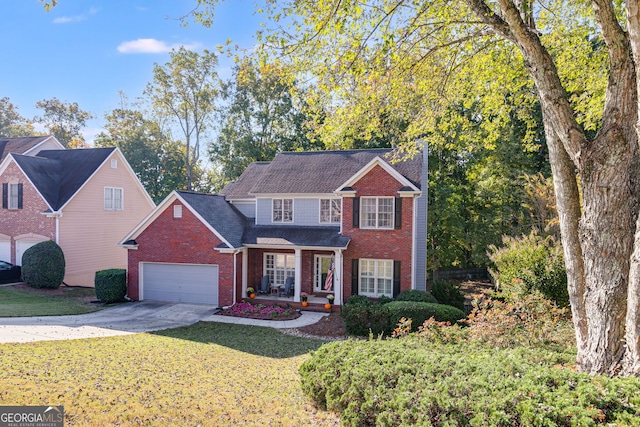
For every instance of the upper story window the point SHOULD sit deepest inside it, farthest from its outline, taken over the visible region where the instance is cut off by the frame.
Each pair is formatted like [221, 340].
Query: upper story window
[113, 199]
[330, 211]
[282, 210]
[376, 212]
[11, 196]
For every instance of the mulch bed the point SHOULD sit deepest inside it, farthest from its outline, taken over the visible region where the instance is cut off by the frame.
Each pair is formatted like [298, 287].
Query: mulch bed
[261, 316]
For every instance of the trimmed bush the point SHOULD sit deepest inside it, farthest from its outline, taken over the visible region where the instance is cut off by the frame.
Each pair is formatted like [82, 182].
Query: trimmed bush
[383, 299]
[43, 265]
[358, 300]
[412, 381]
[362, 318]
[418, 312]
[417, 296]
[448, 293]
[111, 285]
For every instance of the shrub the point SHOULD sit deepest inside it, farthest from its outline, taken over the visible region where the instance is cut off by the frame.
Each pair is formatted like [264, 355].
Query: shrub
[111, 285]
[43, 265]
[411, 381]
[418, 296]
[448, 293]
[419, 312]
[531, 263]
[358, 300]
[383, 299]
[362, 318]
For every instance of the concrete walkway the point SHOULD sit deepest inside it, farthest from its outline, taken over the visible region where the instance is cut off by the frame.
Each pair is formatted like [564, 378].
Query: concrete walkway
[125, 319]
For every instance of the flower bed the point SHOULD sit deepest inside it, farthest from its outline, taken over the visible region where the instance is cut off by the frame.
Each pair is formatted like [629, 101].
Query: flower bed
[260, 311]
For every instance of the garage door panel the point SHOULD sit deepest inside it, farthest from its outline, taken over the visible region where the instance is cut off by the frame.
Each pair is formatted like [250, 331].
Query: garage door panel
[181, 283]
[5, 250]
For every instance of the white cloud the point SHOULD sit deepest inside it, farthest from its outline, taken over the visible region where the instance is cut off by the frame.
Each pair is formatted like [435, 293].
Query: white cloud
[75, 18]
[151, 46]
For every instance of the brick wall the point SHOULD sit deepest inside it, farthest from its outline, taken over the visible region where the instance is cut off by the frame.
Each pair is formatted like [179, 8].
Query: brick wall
[29, 219]
[183, 240]
[378, 244]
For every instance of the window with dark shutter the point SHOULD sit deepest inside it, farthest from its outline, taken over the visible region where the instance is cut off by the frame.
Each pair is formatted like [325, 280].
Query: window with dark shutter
[19, 196]
[398, 214]
[355, 263]
[396, 278]
[356, 212]
[5, 195]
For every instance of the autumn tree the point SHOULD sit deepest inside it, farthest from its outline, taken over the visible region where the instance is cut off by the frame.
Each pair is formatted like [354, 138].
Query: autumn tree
[183, 94]
[263, 117]
[578, 59]
[12, 124]
[65, 120]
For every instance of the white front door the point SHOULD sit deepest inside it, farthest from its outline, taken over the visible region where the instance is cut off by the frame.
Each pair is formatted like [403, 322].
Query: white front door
[322, 266]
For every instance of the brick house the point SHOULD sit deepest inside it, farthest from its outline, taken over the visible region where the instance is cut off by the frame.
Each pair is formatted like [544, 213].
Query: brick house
[83, 199]
[332, 222]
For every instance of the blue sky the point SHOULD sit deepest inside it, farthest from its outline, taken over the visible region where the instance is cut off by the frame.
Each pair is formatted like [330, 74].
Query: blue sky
[86, 51]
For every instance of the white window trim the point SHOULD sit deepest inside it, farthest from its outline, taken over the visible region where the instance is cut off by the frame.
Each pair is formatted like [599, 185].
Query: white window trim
[177, 211]
[376, 277]
[273, 211]
[114, 163]
[289, 271]
[331, 221]
[377, 211]
[13, 198]
[111, 206]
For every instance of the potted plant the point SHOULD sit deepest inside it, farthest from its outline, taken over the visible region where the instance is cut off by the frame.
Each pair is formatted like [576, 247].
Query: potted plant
[251, 293]
[303, 298]
[329, 303]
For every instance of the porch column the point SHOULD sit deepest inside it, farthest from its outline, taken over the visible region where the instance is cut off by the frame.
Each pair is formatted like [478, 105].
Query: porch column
[298, 276]
[337, 277]
[245, 263]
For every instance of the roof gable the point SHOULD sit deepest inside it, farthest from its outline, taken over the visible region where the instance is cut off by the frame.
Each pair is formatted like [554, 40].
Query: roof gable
[323, 172]
[24, 145]
[377, 161]
[241, 188]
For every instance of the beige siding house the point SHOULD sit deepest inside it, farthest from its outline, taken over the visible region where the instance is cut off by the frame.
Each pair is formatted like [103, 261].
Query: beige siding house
[91, 198]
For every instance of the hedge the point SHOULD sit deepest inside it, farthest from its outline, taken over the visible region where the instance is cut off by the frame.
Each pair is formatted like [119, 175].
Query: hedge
[418, 312]
[417, 296]
[111, 285]
[43, 265]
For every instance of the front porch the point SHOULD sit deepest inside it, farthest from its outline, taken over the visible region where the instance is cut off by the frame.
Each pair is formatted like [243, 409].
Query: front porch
[316, 302]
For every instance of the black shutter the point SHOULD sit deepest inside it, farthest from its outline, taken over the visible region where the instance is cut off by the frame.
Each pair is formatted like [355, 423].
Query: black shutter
[19, 196]
[398, 214]
[355, 263]
[5, 195]
[356, 212]
[396, 278]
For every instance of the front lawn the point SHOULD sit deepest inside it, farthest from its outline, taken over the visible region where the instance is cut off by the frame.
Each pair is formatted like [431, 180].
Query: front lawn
[21, 301]
[208, 374]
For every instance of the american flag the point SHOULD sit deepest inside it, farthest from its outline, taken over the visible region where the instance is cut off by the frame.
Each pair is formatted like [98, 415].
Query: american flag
[328, 283]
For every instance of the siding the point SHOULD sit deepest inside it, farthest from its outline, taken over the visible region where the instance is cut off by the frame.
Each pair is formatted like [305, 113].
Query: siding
[306, 212]
[89, 235]
[247, 209]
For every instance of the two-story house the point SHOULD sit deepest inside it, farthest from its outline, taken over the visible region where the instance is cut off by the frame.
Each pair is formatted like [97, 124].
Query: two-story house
[84, 200]
[341, 222]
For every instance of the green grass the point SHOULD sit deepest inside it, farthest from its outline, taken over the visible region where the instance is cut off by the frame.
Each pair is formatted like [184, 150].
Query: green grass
[24, 301]
[208, 374]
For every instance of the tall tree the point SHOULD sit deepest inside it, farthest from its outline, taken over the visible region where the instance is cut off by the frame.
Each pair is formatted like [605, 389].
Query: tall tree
[183, 93]
[263, 117]
[157, 161]
[12, 124]
[64, 120]
[418, 50]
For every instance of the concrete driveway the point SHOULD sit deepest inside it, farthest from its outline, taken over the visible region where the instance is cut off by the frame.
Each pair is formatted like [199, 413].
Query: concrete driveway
[125, 319]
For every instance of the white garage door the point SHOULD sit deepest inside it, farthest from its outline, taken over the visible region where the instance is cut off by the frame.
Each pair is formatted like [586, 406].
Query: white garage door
[24, 244]
[191, 283]
[5, 250]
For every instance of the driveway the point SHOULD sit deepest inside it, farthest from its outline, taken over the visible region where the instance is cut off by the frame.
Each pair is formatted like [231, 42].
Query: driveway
[125, 319]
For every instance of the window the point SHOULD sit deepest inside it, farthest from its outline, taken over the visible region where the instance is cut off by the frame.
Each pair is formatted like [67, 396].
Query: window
[112, 199]
[282, 210]
[376, 277]
[11, 196]
[278, 267]
[177, 211]
[330, 211]
[377, 212]
[114, 163]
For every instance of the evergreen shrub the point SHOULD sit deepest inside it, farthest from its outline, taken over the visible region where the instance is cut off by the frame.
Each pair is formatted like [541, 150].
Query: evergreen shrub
[446, 292]
[111, 285]
[416, 295]
[419, 312]
[43, 265]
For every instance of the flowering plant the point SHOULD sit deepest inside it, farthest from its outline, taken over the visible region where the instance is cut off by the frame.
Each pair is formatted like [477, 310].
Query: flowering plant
[250, 291]
[303, 296]
[259, 311]
[330, 298]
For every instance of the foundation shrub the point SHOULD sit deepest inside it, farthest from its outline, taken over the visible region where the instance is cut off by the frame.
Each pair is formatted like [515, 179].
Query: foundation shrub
[43, 265]
[414, 381]
[416, 295]
[446, 292]
[362, 318]
[111, 285]
[419, 312]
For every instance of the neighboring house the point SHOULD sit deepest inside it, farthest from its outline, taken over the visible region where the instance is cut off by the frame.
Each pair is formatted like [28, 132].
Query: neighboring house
[353, 216]
[28, 146]
[82, 199]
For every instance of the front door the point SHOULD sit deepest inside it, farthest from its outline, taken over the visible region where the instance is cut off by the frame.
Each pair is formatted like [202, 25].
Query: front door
[322, 265]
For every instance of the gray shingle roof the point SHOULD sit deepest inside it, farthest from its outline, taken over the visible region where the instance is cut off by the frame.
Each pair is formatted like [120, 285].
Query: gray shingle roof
[19, 145]
[327, 237]
[223, 217]
[59, 174]
[315, 172]
[241, 188]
